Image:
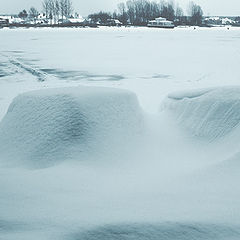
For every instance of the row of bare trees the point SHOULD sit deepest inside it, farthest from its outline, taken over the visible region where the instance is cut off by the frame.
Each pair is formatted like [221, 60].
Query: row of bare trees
[139, 12]
[53, 10]
[56, 9]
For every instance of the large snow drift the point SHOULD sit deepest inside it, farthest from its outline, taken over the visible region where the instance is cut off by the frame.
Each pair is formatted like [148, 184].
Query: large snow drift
[208, 113]
[42, 127]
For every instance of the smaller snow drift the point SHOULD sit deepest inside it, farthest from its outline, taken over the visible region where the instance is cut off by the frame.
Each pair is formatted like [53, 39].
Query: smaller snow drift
[47, 126]
[208, 113]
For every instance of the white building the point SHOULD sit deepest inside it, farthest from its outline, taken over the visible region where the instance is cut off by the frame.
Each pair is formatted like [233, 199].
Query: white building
[216, 21]
[161, 23]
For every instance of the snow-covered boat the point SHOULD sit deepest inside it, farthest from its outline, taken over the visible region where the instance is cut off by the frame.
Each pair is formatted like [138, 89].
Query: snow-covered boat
[161, 23]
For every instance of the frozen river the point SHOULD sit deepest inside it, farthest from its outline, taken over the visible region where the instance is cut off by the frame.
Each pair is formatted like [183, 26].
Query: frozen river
[151, 62]
[170, 183]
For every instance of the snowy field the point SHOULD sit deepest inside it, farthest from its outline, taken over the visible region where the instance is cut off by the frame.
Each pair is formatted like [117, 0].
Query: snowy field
[120, 133]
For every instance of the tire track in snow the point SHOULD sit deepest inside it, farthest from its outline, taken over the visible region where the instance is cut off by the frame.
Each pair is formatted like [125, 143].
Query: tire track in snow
[57, 74]
[40, 75]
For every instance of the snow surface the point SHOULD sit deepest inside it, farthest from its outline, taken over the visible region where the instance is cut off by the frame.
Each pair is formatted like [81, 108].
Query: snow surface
[168, 183]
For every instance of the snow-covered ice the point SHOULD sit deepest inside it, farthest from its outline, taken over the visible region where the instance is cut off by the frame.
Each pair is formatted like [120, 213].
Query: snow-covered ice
[85, 151]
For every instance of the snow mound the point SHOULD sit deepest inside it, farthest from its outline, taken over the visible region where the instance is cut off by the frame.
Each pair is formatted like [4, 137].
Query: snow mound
[208, 113]
[165, 231]
[47, 126]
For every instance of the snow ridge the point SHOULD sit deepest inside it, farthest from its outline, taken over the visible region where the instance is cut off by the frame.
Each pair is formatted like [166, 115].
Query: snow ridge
[208, 113]
[166, 231]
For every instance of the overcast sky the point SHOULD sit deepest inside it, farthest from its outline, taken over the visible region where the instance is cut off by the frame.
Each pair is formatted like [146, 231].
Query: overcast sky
[85, 7]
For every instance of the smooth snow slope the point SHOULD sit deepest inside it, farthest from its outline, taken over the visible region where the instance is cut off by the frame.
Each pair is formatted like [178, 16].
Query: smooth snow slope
[44, 127]
[206, 113]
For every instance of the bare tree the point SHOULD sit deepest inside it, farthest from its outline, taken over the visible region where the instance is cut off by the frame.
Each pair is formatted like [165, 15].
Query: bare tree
[179, 14]
[69, 8]
[45, 5]
[65, 8]
[33, 13]
[196, 14]
[23, 14]
[56, 11]
[167, 10]
[62, 8]
[155, 10]
[131, 11]
[179, 11]
[123, 17]
[51, 10]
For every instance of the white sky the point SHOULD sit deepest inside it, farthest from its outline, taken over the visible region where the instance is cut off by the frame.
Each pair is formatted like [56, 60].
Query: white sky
[85, 7]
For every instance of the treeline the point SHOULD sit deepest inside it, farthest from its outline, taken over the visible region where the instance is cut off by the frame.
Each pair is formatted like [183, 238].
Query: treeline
[52, 9]
[139, 12]
[131, 12]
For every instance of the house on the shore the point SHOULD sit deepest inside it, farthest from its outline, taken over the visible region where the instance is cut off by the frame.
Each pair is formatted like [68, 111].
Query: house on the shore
[79, 21]
[161, 23]
[218, 21]
[41, 20]
[114, 23]
[4, 22]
